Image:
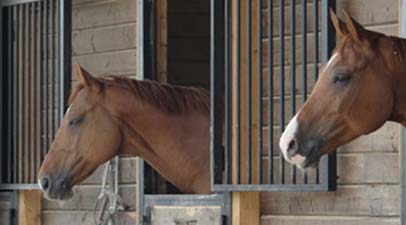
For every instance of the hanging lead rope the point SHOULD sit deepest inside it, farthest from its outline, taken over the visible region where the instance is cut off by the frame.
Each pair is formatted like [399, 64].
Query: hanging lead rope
[108, 201]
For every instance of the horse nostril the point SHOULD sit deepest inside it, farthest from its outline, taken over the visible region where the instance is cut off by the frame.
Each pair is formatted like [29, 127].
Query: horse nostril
[45, 183]
[292, 148]
[62, 185]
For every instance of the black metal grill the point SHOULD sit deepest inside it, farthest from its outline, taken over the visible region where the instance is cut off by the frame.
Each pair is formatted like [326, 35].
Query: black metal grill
[248, 75]
[36, 75]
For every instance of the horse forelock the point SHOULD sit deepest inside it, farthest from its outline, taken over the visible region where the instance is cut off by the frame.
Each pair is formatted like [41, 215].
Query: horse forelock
[169, 99]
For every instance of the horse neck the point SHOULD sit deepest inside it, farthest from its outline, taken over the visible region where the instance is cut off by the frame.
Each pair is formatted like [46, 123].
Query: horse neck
[177, 146]
[396, 59]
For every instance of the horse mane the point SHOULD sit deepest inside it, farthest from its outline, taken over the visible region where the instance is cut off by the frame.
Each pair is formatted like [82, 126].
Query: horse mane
[170, 99]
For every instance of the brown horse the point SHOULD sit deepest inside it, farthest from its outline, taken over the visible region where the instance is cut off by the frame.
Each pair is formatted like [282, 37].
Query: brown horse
[362, 86]
[168, 126]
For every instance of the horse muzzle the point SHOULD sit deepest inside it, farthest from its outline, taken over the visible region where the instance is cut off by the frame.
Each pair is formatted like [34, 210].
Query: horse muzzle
[303, 152]
[55, 186]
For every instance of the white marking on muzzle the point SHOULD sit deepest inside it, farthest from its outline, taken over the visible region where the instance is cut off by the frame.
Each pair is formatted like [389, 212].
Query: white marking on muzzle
[287, 136]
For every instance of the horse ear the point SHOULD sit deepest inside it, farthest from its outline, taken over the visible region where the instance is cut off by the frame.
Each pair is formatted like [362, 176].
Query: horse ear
[354, 28]
[86, 79]
[339, 25]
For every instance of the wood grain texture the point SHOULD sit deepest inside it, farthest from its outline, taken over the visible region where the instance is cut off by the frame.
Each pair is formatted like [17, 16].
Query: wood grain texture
[324, 220]
[245, 208]
[29, 207]
[85, 197]
[104, 39]
[101, 13]
[352, 200]
[83, 218]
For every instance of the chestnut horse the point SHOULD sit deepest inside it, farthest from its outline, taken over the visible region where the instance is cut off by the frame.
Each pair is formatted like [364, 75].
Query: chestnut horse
[362, 86]
[167, 126]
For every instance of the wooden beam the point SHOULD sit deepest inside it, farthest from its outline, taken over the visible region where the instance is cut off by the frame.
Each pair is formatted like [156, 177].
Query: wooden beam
[162, 40]
[245, 208]
[245, 205]
[29, 207]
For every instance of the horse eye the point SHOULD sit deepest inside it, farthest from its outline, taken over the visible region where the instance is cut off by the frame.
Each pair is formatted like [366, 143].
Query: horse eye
[75, 121]
[342, 78]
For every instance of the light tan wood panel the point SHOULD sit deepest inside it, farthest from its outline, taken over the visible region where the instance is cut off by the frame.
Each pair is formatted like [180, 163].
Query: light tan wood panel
[82, 218]
[358, 200]
[92, 14]
[330, 220]
[104, 39]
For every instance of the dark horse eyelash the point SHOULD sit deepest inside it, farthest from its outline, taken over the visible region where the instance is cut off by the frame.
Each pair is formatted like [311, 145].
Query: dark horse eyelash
[342, 78]
[75, 121]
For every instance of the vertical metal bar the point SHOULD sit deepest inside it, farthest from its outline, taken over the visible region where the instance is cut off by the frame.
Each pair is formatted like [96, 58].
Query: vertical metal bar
[58, 30]
[304, 61]
[316, 38]
[52, 72]
[260, 120]
[2, 80]
[216, 70]
[238, 89]
[316, 53]
[21, 88]
[328, 34]
[65, 46]
[45, 80]
[34, 92]
[403, 173]
[27, 76]
[249, 103]
[270, 92]
[15, 92]
[293, 71]
[227, 72]
[10, 92]
[282, 82]
[40, 80]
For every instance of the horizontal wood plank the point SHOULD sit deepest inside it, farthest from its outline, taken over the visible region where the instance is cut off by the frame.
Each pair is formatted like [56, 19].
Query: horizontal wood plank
[363, 200]
[85, 197]
[330, 220]
[105, 39]
[117, 63]
[99, 13]
[82, 218]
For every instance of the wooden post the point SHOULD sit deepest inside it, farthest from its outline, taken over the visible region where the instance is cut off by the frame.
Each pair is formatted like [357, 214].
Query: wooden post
[161, 40]
[29, 207]
[245, 205]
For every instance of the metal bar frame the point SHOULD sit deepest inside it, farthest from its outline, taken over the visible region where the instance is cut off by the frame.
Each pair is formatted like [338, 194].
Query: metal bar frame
[26, 14]
[1, 92]
[328, 163]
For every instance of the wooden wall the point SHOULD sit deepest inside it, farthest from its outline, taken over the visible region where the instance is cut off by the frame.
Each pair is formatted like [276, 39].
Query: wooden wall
[368, 185]
[104, 42]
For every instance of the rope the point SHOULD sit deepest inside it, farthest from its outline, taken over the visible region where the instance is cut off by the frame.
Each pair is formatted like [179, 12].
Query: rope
[108, 202]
